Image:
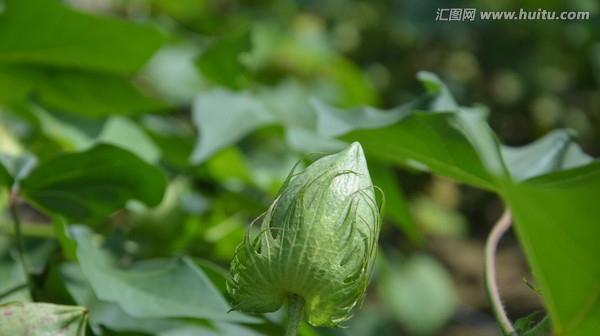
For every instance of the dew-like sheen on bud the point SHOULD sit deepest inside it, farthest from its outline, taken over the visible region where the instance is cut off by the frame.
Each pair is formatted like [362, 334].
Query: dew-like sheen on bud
[317, 241]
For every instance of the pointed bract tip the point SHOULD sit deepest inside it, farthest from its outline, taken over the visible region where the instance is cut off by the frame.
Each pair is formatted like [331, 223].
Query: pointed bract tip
[355, 149]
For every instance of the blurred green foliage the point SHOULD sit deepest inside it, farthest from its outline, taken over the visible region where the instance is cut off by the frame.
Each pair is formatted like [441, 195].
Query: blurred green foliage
[223, 97]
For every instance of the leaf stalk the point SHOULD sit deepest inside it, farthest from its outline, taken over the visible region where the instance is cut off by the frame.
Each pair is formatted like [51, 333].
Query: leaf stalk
[491, 245]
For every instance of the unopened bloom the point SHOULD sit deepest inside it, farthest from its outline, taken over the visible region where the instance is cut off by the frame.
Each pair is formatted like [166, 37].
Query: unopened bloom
[317, 241]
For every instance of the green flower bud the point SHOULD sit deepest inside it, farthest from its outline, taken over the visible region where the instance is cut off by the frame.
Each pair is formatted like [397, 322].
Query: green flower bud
[317, 242]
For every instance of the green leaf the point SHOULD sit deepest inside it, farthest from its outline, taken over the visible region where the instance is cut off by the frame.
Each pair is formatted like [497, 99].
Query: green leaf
[127, 134]
[221, 61]
[93, 94]
[5, 178]
[15, 168]
[152, 289]
[418, 293]
[88, 94]
[23, 319]
[223, 118]
[93, 183]
[48, 33]
[526, 326]
[451, 140]
[218, 114]
[110, 314]
[173, 74]
[556, 220]
[431, 140]
[332, 122]
[15, 84]
[12, 277]
[443, 101]
[68, 131]
[555, 151]
[61, 230]
[290, 103]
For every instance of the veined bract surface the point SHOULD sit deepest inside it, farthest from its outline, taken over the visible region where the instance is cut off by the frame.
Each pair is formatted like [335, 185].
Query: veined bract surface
[317, 241]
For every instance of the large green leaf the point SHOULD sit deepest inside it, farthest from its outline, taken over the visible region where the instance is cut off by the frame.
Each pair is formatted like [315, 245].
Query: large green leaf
[152, 289]
[431, 140]
[24, 319]
[93, 183]
[557, 221]
[48, 33]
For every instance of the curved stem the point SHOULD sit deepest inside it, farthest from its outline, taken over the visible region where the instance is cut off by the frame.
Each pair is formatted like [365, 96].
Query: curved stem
[501, 226]
[19, 239]
[295, 314]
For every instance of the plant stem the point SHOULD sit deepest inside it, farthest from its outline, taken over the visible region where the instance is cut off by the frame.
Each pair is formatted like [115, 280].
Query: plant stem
[295, 314]
[501, 226]
[19, 239]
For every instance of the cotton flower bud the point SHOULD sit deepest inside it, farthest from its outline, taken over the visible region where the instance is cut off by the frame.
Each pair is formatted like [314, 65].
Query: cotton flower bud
[317, 242]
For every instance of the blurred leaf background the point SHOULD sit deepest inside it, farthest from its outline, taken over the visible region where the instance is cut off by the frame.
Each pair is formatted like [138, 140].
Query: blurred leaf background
[223, 98]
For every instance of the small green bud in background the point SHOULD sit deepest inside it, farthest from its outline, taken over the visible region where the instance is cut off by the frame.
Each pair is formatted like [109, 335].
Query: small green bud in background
[316, 245]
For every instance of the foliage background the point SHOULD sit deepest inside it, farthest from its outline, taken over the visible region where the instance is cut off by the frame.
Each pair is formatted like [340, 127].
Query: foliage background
[218, 95]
